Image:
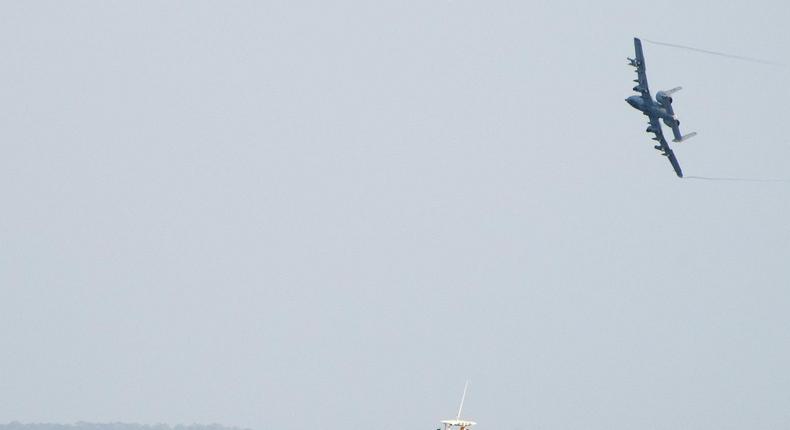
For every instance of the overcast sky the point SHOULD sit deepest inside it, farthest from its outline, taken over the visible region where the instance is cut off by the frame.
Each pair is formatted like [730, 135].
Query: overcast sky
[301, 214]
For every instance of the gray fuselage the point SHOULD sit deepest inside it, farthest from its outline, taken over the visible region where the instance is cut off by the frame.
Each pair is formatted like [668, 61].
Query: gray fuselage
[649, 107]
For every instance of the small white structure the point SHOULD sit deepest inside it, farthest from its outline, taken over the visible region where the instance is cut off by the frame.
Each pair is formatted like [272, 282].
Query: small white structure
[458, 423]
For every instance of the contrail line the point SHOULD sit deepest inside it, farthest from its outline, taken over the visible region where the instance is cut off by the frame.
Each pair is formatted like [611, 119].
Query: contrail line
[721, 54]
[709, 178]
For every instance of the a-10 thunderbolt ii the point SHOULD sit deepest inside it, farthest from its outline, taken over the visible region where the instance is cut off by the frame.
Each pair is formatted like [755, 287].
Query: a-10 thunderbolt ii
[660, 108]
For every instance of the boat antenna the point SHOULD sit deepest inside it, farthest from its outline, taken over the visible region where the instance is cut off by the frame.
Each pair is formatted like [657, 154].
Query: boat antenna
[463, 397]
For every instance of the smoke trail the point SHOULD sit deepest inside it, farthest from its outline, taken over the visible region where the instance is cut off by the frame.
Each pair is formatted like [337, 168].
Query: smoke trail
[721, 54]
[709, 178]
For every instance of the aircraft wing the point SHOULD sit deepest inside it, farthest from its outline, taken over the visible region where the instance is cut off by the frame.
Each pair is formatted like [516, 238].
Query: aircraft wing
[665, 149]
[639, 63]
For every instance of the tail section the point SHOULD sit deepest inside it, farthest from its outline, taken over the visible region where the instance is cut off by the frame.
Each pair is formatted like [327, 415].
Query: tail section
[672, 91]
[682, 138]
[664, 98]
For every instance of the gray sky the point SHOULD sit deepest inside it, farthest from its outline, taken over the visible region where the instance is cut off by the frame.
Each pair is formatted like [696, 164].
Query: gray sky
[293, 214]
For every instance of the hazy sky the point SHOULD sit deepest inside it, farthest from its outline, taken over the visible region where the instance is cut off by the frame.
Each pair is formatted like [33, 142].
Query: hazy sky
[300, 214]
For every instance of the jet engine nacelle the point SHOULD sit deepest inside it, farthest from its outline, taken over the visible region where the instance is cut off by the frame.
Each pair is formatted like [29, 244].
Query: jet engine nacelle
[663, 98]
[672, 122]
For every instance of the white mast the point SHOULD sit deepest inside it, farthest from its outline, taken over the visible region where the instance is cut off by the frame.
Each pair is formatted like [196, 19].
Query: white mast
[458, 423]
[463, 397]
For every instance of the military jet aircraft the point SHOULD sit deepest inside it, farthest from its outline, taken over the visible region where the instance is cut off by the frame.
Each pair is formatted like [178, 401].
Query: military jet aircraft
[655, 110]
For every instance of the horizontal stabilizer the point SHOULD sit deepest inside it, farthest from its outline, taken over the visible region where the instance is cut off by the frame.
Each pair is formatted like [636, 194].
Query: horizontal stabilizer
[686, 137]
[672, 91]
